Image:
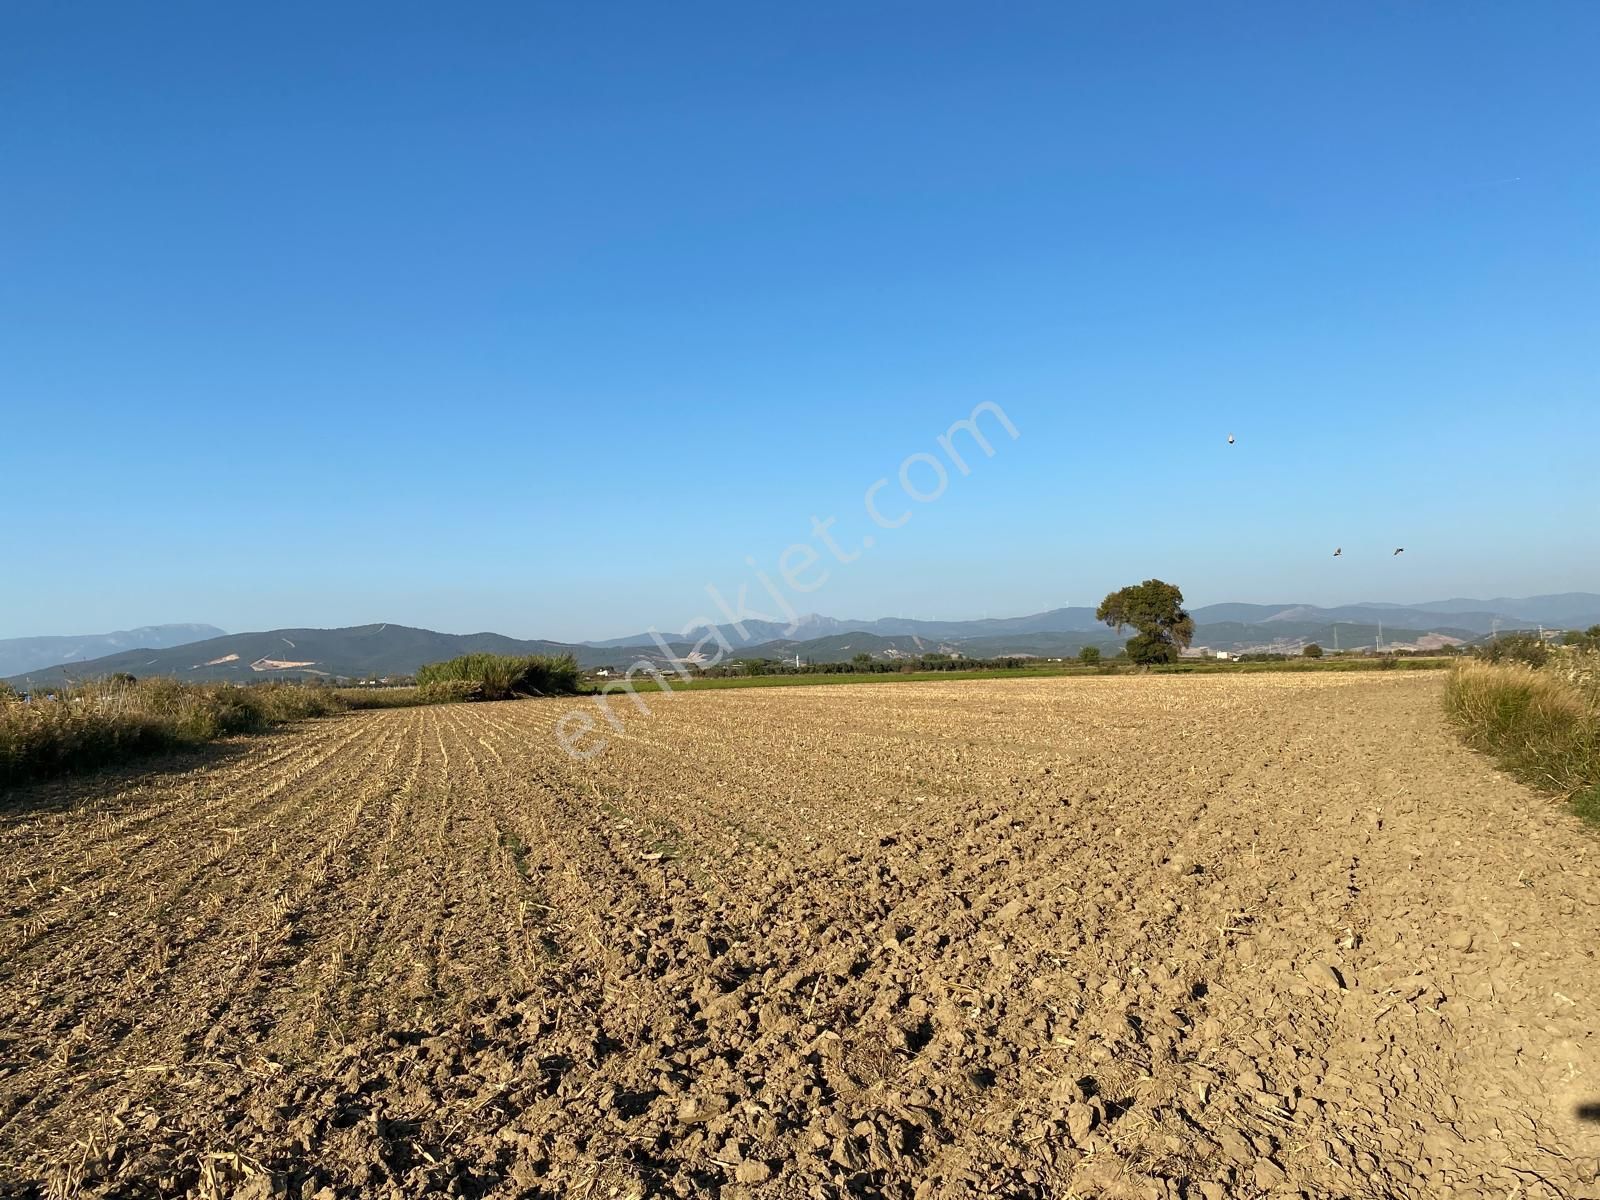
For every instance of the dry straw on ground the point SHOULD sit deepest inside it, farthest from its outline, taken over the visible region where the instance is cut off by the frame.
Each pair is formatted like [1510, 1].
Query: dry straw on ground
[1112, 937]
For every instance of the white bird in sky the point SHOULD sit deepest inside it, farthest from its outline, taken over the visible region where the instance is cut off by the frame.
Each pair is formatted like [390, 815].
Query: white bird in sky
[1400, 550]
[1230, 439]
[1338, 551]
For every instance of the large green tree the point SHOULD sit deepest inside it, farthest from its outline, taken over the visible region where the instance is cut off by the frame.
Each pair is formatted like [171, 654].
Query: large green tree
[1155, 610]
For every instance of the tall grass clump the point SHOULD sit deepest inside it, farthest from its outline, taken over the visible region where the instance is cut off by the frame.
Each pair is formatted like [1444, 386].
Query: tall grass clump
[499, 677]
[108, 721]
[379, 697]
[1542, 724]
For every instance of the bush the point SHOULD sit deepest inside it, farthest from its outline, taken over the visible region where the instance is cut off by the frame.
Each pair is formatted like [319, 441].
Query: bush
[1312, 651]
[1527, 648]
[500, 676]
[1089, 656]
[1540, 726]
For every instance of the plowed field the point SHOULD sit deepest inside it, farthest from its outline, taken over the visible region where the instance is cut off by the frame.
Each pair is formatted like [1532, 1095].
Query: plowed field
[1159, 937]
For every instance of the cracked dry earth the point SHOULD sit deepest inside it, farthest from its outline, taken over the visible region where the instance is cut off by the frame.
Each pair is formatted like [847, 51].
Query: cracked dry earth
[1261, 935]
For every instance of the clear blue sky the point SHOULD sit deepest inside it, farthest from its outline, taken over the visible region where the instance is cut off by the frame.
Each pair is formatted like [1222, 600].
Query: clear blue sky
[541, 318]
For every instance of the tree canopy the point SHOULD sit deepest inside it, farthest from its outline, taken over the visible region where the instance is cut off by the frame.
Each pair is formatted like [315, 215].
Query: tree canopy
[1155, 610]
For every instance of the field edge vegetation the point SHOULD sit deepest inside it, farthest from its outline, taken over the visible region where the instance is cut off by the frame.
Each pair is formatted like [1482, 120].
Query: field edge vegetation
[107, 721]
[1541, 724]
[949, 672]
[103, 722]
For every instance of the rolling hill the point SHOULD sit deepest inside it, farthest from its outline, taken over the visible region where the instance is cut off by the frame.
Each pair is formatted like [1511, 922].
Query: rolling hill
[845, 646]
[375, 651]
[1233, 636]
[360, 652]
[1573, 610]
[812, 626]
[30, 654]
[1478, 616]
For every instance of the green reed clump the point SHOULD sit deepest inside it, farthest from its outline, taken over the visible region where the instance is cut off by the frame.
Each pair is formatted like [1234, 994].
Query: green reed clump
[500, 676]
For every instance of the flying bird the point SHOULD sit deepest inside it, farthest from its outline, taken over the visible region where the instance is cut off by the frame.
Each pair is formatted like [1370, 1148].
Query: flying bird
[1230, 439]
[1338, 551]
[1400, 550]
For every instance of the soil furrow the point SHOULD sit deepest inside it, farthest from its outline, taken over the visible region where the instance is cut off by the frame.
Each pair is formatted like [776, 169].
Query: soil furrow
[1153, 938]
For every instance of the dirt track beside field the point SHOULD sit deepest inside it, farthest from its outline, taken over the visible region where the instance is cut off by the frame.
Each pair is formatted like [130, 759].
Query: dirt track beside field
[1122, 937]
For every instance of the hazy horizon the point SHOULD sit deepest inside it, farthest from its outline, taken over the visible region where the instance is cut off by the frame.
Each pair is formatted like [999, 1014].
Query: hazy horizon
[670, 628]
[541, 320]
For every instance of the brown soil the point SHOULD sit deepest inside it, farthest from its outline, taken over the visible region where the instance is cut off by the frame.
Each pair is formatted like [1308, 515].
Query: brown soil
[1161, 937]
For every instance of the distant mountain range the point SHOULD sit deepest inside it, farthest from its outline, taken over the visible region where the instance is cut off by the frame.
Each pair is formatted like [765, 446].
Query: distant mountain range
[202, 652]
[1575, 610]
[361, 652]
[29, 654]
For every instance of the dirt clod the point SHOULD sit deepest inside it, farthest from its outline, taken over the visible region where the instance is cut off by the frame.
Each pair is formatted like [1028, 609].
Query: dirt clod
[1267, 1174]
[753, 1172]
[1321, 975]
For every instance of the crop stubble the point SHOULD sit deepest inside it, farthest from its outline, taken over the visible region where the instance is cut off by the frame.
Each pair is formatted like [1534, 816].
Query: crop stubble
[1120, 937]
